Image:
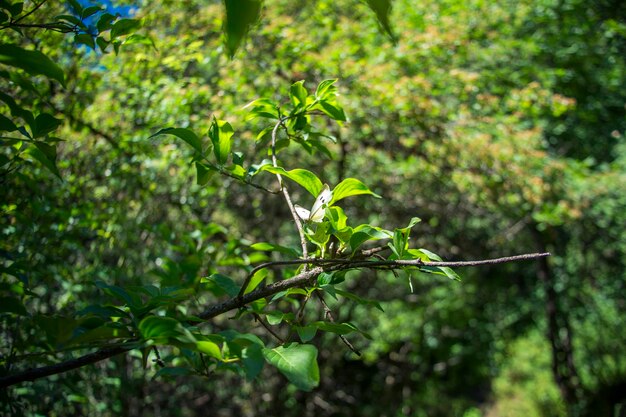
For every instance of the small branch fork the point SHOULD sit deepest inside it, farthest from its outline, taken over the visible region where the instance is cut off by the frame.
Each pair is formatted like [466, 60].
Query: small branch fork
[302, 279]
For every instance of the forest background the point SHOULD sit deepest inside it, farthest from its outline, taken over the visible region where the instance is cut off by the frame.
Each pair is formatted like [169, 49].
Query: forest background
[499, 124]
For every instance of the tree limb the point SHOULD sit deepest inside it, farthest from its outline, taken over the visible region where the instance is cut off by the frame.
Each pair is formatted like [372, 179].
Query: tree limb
[302, 279]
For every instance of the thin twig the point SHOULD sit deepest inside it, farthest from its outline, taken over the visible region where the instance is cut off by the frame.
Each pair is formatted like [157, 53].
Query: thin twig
[329, 316]
[33, 10]
[268, 328]
[364, 263]
[294, 214]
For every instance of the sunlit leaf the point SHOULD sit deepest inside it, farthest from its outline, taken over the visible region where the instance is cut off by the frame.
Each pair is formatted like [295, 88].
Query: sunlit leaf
[220, 134]
[209, 348]
[350, 187]
[298, 93]
[308, 180]
[297, 362]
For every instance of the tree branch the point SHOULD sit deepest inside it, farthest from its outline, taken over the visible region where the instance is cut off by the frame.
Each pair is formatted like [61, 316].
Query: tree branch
[36, 373]
[302, 279]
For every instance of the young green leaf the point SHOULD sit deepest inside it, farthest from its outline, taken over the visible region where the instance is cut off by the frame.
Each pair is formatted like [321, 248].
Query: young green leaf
[326, 89]
[306, 179]
[263, 107]
[333, 110]
[365, 232]
[209, 348]
[221, 133]
[350, 187]
[298, 94]
[258, 277]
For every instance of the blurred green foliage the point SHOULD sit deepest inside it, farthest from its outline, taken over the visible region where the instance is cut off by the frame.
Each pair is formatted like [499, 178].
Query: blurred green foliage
[500, 124]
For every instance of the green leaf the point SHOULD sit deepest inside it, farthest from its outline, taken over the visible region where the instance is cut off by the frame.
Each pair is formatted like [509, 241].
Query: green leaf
[431, 255]
[277, 317]
[306, 179]
[326, 89]
[44, 124]
[173, 372]
[266, 108]
[306, 333]
[37, 154]
[185, 134]
[131, 300]
[265, 246]
[209, 348]
[338, 328]
[15, 8]
[165, 330]
[75, 6]
[6, 125]
[441, 270]
[297, 362]
[102, 43]
[105, 22]
[102, 333]
[12, 305]
[73, 20]
[204, 173]
[252, 361]
[359, 300]
[224, 284]
[33, 62]
[333, 110]
[158, 327]
[85, 39]
[58, 329]
[298, 94]
[382, 8]
[90, 11]
[220, 133]
[240, 16]
[16, 110]
[365, 232]
[258, 277]
[124, 27]
[350, 187]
